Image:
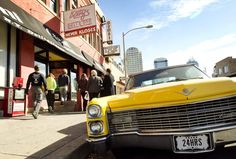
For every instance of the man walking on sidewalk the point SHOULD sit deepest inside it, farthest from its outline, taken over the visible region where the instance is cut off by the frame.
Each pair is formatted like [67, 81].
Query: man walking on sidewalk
[63, 83]
[38, 85]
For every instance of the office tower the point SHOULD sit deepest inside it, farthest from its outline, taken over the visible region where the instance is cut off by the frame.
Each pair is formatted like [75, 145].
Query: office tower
[160, 63]
[134, 60]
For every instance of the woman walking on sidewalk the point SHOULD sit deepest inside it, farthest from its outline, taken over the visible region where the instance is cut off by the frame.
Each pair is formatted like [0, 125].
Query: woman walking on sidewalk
[82, 86]
[51, 85]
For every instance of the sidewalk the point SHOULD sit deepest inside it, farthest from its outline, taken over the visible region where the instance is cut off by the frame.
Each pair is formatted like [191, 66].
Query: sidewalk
[51, 136]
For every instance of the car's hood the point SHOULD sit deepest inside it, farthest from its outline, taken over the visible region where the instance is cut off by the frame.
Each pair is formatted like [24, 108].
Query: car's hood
[172, 93]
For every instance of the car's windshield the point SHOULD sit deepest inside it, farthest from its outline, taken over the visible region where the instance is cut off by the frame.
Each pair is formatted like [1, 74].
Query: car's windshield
[170, 74]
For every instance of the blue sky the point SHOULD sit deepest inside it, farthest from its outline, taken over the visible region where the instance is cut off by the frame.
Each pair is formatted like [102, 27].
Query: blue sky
[201, 29]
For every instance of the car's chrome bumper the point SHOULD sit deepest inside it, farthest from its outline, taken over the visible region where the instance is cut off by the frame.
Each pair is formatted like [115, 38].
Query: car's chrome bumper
[156, 140]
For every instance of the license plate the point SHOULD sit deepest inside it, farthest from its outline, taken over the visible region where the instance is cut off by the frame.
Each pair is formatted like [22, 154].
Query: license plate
[201, 142]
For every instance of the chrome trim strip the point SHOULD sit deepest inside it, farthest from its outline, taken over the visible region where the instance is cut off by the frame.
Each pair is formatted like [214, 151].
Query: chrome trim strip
[97, 139]
[160, 133]
[175, 133]
[194, 152]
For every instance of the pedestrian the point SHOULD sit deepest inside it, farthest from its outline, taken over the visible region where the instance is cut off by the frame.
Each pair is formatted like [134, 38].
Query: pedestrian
[51, 85]
[38, 86]
[82, 87]
[63, 83]
[108, 83]
[102, 93]
[94, 85]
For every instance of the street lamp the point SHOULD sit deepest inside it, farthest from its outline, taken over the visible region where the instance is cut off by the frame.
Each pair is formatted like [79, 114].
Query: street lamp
[123, 38]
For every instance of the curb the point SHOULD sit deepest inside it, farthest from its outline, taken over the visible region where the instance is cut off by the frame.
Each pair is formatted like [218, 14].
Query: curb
[81, 153]
[76, 149]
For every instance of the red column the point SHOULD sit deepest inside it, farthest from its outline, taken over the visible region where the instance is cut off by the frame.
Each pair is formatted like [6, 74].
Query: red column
[88, 72]
[26, 61]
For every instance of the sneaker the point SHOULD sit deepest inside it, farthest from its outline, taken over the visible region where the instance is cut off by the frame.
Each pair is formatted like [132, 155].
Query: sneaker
[34, 115]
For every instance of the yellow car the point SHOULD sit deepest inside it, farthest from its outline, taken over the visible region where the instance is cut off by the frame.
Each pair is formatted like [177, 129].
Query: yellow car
[177, 108]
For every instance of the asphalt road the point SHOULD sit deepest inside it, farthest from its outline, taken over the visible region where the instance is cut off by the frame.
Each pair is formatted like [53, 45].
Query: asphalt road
[137, 153]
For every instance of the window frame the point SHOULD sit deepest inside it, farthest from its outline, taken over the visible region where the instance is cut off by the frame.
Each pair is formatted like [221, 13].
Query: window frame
[53, 5]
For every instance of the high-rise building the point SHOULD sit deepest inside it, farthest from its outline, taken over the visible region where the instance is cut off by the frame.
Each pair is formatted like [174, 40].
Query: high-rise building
[160, 63]
[134, 63]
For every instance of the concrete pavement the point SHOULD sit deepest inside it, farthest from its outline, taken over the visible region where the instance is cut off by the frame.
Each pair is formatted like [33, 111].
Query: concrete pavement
[51, 136]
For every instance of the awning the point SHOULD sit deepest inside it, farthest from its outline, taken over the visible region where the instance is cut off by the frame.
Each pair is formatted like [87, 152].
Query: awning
[96, 65]
[99, 67]
[15, 16]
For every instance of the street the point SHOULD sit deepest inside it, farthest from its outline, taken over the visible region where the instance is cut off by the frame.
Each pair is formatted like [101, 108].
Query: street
[59, 136]
[137, 153]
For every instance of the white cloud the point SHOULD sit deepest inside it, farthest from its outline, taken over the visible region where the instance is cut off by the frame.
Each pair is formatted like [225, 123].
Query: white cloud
[206, 53]
[167, 11]
[187, 8]
[158, 3]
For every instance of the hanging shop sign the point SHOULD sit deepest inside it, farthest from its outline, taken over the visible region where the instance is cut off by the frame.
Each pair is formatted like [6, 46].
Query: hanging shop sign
[80, 21]
[109, 32]
[113, 50]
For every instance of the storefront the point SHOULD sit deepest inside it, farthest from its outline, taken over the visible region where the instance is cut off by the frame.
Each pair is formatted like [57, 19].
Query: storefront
[26, 42]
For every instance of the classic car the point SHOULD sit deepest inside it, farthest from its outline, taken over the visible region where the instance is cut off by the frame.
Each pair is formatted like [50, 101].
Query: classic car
[177, 108]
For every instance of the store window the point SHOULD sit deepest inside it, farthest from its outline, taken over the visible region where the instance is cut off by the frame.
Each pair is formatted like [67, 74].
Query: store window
[42, 67]
[12, 68]
[73, 86]
[7, 55]
[3, 54]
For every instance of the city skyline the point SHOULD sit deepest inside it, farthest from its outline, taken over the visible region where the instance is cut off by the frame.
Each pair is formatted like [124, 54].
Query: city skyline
[182, 29]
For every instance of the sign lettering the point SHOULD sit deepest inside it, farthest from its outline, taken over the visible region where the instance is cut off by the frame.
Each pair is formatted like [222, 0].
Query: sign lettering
[80, 21]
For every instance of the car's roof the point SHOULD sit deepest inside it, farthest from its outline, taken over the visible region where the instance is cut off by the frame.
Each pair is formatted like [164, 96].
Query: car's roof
[164, 68]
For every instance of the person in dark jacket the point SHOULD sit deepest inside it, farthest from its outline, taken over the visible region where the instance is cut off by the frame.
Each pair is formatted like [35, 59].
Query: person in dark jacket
[102, 88]
[63, 84]
[38, 86]
[108, 83]
[94, 85]
[82, 86]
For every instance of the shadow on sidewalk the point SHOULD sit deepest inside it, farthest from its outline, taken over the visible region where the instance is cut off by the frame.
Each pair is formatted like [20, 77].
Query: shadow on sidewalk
[64, 147]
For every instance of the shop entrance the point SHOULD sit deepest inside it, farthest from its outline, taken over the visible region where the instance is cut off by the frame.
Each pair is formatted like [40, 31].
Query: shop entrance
[55, 63]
